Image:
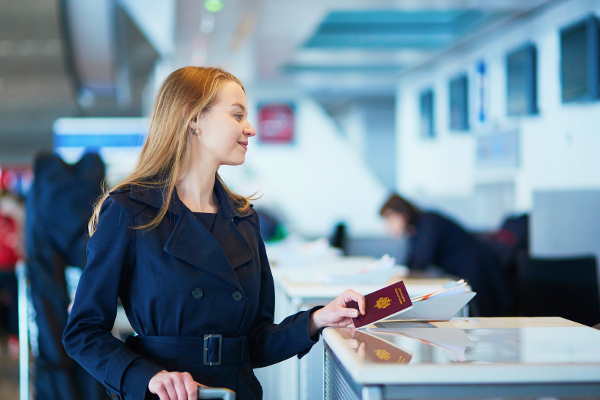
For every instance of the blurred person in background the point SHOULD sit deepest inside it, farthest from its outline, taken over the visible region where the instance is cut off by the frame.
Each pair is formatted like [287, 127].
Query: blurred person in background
[12, 217]
[436, 240]
[58, 207]
[185, 256]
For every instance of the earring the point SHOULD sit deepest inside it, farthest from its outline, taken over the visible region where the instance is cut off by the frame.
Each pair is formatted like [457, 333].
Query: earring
[196, 132]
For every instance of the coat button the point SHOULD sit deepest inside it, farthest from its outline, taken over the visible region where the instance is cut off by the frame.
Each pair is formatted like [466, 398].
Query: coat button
[237, 295]
[197, 293]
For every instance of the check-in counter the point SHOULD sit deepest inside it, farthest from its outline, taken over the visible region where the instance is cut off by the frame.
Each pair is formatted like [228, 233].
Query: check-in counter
[300, 288]
[463, 358]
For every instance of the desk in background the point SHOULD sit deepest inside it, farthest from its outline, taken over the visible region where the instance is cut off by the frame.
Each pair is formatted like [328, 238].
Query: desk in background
[501, 357]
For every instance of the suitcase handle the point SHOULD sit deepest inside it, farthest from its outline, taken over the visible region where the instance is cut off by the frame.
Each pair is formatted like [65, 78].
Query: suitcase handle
[215, 393]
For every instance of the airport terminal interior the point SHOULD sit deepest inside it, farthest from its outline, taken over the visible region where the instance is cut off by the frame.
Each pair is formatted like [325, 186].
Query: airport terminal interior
[439, 154]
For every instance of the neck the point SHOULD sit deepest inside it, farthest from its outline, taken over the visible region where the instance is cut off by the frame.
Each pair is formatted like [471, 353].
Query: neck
[196, 187]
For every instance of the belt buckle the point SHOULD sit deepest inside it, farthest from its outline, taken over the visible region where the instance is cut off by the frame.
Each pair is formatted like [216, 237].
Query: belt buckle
[205, 351]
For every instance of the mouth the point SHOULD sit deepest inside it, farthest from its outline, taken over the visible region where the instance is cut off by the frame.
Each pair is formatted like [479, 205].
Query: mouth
[244, 145]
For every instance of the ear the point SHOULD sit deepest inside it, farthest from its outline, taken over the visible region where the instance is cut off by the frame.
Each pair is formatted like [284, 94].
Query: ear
[193, 124]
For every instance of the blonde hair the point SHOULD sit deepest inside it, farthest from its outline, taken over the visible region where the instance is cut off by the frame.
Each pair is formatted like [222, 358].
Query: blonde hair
[185, 94]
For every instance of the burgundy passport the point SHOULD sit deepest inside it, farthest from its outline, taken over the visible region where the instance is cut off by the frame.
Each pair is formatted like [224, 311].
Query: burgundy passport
[382, 303]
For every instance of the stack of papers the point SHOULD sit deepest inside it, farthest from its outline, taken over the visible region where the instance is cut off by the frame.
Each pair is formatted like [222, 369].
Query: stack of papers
[441, 305]
[447, 289]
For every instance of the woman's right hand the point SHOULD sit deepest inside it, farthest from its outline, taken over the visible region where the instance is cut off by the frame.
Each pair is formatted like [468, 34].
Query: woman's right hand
[174, 386]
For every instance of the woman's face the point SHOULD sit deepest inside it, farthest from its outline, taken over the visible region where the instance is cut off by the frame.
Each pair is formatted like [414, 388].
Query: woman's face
[396, 224]
[224, 129]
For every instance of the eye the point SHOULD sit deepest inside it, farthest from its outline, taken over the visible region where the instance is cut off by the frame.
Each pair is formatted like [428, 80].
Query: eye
[239, 117]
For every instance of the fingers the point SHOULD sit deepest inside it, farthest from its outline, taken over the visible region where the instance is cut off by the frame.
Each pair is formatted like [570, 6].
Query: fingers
[174, 386]
[361, 351]
[343, 323]
[180, 388]
[170, 388]
[162, 393]
[350, 295]
[348, 312]
[191, 387]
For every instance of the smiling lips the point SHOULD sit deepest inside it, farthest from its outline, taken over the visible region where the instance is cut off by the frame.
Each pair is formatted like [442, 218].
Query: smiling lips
[244, 145]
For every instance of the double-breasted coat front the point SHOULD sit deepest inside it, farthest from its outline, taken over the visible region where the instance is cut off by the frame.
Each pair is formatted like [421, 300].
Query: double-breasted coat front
[200, 302]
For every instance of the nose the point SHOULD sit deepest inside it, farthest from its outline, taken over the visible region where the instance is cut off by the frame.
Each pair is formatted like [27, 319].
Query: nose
[249, 130]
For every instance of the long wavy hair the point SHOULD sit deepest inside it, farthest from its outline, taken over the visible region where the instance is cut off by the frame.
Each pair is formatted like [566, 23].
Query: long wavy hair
[185, 94]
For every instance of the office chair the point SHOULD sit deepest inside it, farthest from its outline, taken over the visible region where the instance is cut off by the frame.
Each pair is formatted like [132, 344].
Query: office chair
[564, 287]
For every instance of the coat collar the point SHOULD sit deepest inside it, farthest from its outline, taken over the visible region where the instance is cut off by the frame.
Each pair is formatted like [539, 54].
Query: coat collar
[216, 253]
[153, 196]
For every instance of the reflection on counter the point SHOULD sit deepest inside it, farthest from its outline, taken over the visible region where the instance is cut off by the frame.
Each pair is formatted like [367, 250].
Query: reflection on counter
[475, 342]
[453, 341]
[374, 349]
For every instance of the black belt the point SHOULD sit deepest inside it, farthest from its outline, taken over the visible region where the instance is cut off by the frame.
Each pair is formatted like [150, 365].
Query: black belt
[212, 349]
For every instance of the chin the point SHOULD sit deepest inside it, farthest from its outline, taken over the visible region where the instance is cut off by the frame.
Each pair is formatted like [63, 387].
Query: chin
[235, 162]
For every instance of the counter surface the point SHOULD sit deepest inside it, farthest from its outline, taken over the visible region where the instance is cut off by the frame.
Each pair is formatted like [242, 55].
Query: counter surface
[469, 350]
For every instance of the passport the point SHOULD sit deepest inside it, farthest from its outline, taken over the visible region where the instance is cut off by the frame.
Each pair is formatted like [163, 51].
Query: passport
[381, 304]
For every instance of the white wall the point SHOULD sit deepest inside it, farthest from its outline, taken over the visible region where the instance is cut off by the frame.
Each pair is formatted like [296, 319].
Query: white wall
[368, 124]
[558, 148]
[156, 19]
[316, 182]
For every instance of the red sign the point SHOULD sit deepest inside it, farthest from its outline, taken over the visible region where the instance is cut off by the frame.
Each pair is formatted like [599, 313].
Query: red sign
[276, 123]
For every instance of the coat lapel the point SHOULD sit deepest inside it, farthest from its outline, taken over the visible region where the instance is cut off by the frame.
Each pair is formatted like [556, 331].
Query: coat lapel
[218, 253]
[190, 241]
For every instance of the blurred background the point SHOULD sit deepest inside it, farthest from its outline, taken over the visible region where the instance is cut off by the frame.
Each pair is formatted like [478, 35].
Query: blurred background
[457, 105]
[479, 109]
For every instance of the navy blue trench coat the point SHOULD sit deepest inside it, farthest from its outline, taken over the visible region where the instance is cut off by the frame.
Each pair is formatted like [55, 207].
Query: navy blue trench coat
[201, 303]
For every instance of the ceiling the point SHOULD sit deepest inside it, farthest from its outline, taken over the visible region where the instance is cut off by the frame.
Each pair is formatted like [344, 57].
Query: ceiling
[333, 49]
[338, 49]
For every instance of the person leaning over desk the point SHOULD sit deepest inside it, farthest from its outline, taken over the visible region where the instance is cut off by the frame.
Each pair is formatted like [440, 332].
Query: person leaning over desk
[185, 256]
[437, 240]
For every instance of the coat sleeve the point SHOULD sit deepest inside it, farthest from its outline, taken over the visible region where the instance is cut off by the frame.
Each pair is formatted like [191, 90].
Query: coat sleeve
[271, 343]
[87, 337]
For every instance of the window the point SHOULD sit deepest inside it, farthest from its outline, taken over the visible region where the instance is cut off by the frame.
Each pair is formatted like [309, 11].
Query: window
[521, 78]
[427, 119]
[580, 68]
[459, 104]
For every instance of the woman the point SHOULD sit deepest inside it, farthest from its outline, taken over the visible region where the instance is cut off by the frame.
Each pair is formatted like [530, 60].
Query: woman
[185, 256]
[435, 240]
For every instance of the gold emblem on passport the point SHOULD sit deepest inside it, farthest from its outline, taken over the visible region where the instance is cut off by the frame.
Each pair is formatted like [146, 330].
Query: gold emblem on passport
[383, 302]
[382, 354]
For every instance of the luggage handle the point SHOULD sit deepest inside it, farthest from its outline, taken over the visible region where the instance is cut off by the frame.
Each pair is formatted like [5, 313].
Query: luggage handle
[215, 393]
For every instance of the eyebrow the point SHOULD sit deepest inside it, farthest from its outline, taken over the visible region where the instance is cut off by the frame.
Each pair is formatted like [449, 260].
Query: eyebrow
[239, 105]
